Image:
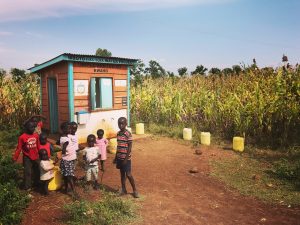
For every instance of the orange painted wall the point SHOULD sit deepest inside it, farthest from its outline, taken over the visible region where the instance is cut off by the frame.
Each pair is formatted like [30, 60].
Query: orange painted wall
[82, 71]
[60, 72]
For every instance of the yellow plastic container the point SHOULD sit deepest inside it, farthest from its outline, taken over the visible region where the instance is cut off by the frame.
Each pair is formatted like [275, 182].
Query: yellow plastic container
[56, 182]
[238, 144]
[112, 145]
[139, 128]
[187, 134]
[205, 138]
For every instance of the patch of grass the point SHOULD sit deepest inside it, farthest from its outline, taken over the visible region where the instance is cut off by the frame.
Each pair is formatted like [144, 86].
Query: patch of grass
[174, 132]
[12, 203]
[110, 210]
[255, 178]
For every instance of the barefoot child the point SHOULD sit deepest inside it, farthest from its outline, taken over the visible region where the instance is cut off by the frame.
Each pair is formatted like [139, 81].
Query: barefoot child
[67, 164]
[123, 156]
[28, 143]
[91, 155]
[101, 143]
[46, 170]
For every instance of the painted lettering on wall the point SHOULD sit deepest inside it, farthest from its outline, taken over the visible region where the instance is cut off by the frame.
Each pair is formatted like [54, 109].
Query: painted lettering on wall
[100, 70]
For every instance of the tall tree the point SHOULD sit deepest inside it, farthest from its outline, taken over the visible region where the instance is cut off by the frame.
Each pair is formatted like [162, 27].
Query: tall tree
[155, 70]
[103, 52]
[236, 69]
[200, 69]
[182, 71]
[17, 74]
[138, 72]
[215, 71]
[227, 71]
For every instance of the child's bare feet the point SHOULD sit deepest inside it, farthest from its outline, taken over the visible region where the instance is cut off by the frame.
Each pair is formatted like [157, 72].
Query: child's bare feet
[135, 194]
[122, 192]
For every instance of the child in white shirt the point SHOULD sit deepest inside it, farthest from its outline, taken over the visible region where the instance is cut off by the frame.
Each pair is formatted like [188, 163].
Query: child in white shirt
[46, 170]
[91, 155]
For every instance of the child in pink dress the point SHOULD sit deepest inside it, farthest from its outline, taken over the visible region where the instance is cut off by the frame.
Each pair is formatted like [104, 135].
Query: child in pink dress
[101, 143]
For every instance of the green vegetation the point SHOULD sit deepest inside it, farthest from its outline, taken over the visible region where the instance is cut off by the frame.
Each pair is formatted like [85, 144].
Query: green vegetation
[110, 210]
[19, 98]
[12, 200]
[260, 179]
[262, 104]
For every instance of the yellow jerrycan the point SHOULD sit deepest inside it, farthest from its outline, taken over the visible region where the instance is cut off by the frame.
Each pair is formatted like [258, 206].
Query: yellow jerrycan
[187, 134]
[139, 128]
[205, 138]
[112, 145]
[238, 144]
[56, 182]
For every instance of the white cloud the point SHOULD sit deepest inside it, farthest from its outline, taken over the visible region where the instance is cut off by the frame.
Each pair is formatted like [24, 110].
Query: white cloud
[5, 33]
[33, 9]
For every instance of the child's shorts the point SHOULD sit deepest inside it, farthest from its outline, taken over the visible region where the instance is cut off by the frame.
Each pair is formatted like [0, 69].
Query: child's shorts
[67, 168]
[126, 168]
[92, 172]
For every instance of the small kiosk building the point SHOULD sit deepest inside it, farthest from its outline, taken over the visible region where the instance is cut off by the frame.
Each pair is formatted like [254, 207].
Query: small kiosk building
[90, 90]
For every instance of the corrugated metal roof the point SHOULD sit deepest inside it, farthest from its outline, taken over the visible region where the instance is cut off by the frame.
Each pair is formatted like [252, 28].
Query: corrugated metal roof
[83, 58]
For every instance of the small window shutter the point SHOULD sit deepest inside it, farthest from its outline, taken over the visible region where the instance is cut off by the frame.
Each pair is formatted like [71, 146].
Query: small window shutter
[106, 93]
[92, 93]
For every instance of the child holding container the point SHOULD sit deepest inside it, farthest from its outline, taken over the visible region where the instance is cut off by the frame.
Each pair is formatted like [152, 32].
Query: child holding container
[67, 163]
[46, 170]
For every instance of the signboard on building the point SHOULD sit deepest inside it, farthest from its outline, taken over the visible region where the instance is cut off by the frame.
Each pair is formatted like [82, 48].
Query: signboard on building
[81, 87]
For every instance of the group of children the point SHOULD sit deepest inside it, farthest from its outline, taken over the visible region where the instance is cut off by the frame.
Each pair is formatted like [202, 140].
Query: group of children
[38, 167]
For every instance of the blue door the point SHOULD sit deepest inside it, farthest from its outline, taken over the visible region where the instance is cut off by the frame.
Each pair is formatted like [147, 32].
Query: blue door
[53, 105]
[106, 93]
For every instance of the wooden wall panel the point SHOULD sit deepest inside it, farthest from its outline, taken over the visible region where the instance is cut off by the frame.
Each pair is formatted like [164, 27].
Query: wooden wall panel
[62, 90]
[79, 103]
[120, 94]
[62, 97]
[118, 89]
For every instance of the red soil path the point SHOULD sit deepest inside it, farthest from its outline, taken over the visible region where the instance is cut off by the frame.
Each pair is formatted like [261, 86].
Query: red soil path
[170, 194]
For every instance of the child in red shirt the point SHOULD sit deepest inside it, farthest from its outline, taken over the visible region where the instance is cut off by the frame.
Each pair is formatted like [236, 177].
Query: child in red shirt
[28, 143]
[44, 144]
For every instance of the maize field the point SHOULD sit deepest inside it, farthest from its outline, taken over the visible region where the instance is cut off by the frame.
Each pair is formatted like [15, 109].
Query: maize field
[261, 104]
[18, 100]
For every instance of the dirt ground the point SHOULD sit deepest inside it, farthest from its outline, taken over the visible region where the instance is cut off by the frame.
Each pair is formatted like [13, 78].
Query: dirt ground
[169, 193]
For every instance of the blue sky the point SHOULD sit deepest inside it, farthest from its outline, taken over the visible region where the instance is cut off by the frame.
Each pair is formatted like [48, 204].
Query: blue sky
[215, 33]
